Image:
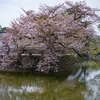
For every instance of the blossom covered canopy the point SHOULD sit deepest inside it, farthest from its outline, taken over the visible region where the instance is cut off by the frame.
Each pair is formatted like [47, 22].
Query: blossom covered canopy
[64, 26]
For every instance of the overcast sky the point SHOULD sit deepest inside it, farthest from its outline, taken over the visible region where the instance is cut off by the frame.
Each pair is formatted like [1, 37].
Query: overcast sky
[11, 9]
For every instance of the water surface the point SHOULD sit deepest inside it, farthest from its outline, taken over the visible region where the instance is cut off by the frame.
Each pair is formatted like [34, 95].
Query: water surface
[32, 86]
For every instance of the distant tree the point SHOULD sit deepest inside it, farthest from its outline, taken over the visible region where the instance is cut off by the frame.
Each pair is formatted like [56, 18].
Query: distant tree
[2, 29]
[65, 26]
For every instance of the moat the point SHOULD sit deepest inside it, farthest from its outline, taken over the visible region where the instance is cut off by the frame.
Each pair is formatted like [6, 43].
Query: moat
[37, 86]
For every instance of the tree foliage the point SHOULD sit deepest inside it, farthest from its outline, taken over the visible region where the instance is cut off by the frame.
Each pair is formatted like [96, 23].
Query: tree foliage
[2, 29]
[65, 26]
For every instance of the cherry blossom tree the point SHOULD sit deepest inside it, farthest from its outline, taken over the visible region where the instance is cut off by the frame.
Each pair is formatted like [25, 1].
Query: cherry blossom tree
[54, 29]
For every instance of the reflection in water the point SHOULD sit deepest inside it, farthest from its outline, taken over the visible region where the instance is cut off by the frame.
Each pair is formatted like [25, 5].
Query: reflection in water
[37, 87]
[31, 89]
[81, 73]
[26, 89]
[34, 87]
[75, 74]
[93, 86]
[19, 87]
[18, 93]
[92, 81]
